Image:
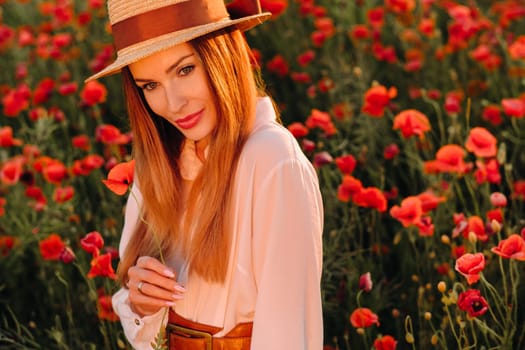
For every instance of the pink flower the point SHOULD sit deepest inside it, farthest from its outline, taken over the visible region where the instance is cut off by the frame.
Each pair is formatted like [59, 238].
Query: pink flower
[365, 282]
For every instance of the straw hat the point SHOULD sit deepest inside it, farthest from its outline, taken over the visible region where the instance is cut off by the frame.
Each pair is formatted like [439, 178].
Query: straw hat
[143, 27]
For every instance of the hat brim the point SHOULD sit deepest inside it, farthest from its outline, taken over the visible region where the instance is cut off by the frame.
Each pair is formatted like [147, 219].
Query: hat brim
[146, 48]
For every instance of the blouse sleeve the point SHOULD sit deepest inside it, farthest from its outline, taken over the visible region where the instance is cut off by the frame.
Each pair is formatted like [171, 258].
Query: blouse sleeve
[287, 251]
[140, 331]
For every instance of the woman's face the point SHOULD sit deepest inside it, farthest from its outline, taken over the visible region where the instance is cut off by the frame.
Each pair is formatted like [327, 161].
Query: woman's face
[176, 87]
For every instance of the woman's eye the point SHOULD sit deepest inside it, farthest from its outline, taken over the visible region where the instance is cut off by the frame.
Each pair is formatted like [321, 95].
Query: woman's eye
[149, 86]
[186, 70]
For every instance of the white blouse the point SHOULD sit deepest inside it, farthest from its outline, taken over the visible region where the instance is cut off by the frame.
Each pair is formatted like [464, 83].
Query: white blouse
[276, 253]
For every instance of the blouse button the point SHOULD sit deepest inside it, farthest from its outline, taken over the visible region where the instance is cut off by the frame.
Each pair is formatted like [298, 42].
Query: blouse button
[137, 322]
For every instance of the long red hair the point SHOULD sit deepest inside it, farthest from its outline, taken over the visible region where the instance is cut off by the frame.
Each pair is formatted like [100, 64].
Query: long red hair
[157, 146]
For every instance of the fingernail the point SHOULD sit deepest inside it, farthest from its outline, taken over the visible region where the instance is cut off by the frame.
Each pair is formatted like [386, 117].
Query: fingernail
[180, 288]
[177, 296]
[168, 273]
[170, 303]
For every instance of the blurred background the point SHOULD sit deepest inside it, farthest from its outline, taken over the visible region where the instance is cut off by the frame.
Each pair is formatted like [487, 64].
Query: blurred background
[412, 112]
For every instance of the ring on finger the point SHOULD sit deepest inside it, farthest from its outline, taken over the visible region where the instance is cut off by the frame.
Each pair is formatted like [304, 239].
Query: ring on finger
[139, 286]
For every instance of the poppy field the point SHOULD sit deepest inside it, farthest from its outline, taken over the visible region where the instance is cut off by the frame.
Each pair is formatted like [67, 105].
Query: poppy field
[412, 112]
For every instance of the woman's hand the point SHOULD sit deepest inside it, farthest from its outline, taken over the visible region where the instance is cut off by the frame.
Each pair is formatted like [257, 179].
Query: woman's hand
[152, 286]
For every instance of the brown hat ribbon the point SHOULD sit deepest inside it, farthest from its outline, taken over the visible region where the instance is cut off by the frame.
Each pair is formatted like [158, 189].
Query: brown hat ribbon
[164, 20]
[179, 16]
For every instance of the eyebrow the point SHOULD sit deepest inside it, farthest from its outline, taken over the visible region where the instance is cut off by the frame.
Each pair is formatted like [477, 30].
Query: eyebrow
[169, 69]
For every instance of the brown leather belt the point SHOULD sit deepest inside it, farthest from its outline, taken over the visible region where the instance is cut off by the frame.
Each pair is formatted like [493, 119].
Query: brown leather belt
[184, 334]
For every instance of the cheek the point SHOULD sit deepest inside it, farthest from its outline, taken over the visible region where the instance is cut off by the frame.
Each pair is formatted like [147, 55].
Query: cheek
[155, 103]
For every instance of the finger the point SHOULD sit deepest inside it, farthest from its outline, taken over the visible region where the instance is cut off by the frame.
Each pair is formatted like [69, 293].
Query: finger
[138, 274]
[151, 290]
[150, 263]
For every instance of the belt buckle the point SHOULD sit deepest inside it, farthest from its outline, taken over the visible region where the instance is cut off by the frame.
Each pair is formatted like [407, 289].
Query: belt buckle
[193, 333]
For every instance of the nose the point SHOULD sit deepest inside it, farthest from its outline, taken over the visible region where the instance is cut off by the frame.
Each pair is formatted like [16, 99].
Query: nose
[175, 98]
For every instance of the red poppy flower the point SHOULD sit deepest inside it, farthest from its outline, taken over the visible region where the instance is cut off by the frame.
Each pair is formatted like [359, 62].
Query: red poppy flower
[517, 48]
[63, 194]
[453, 102]
[476, 225]
[377, 98]
[95, 4]
[12, 170]
[321, 159]
[443, 268]
[325, 85]
[487, 171]
[6, 137]
[321, 120]
[306, 57]
[449, 159]
[301, 77]
[78, 168]
[494, 214]
[427, 27]
[101, 266]
[470, 265]
[498, 199]
[16, 100]
[105, 309]
[481, 142]
[7, 243]
[54, 172]
[348, 188]
[425, 226]
[68, 88]
[359, 32]
[92, 242]
[429, 201]
[492, 114]
[384, 53]
[278, 65]
[511, 248]
[276, 7]
[513, 107]
[411, 122]
[67, 256]
[93, 93]
[518, 189]
[318, 38]
[365, 282]
[120, 177]
[371, 197]
[325, 25]
[472, 302]
[36, 193]
[346, 163]
[51, 248]
[400, 6]
[298, 129]
[110, 135]
[363, 317]
[410, 211]
[376, 17]
[81, 142]
[385, 342]
[391, 151]
[3, 202]
[43, 91]
[92, 162]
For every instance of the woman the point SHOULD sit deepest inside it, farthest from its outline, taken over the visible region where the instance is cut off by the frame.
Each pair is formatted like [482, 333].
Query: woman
[223, 225]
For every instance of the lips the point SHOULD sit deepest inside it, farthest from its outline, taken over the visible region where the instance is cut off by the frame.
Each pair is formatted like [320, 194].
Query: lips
[189, 121]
